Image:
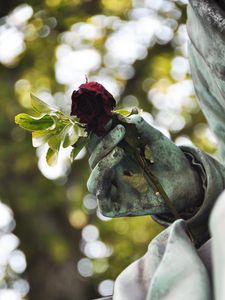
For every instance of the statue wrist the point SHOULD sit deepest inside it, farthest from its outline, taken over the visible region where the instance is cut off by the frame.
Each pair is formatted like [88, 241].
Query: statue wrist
[212, 175]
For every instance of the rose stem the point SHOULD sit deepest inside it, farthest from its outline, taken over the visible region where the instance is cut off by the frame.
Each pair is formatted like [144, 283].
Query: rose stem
[150, 177]
[154, 180]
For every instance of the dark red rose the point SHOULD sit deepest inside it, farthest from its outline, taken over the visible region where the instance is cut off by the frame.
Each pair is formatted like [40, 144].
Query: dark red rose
[93, 105]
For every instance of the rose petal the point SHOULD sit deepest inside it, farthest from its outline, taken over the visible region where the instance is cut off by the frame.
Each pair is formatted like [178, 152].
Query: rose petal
[93, 105]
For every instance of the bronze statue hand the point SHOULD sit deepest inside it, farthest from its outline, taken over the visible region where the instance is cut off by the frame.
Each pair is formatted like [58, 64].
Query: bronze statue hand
[120, 185]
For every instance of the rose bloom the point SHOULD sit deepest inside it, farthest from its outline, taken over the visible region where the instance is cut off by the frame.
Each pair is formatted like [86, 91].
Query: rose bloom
[93, 105]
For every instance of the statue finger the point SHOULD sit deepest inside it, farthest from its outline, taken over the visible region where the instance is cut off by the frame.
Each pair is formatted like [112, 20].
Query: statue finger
[146, 130]
[102, 174]
[108, 201]
[106, 145]
[95, 139]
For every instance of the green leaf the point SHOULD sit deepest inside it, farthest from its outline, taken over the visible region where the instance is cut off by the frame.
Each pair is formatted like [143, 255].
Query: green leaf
[30, 123]
[40, 137]
[54, 142]
[77, 147]
[126, 112]
[52, 157]
[122, 112]
[148, 154]
[138, 182]
[58, 137]
[72, 135]
[40, 106]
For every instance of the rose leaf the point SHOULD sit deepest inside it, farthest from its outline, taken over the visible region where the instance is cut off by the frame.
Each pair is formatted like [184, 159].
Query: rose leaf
[52, 157]
[123, 112]
[72, 135]
[30, 123]
[40, 106]
[40, 137]
[54, 142]
[128, 111]
[77, 147]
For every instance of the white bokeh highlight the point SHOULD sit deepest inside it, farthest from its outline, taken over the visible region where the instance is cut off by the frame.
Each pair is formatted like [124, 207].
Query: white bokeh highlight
[12, 260]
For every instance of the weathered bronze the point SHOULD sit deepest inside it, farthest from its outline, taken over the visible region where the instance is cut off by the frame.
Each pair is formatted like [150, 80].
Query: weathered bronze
[174, 267]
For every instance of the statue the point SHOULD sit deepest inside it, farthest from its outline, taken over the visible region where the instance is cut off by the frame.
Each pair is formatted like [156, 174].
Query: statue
[178, 262]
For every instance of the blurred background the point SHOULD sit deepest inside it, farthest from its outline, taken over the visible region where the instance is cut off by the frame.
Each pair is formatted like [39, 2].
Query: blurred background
[54, 244]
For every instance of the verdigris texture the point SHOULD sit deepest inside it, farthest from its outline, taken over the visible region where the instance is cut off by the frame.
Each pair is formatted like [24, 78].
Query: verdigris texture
[174, 267]
[120, 184]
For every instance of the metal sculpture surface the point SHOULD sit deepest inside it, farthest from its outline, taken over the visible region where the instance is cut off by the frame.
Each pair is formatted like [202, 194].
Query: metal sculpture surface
[175, 266]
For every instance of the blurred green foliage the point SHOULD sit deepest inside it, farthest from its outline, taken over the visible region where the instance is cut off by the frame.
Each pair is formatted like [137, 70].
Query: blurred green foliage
[50, 214]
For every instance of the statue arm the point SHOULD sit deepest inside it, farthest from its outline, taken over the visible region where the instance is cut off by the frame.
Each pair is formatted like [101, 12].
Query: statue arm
[212, 175]
[192, 179]
[185, 172]
[206, 29]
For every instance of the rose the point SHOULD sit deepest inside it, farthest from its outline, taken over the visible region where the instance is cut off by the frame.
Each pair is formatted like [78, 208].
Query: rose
[93, 105]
